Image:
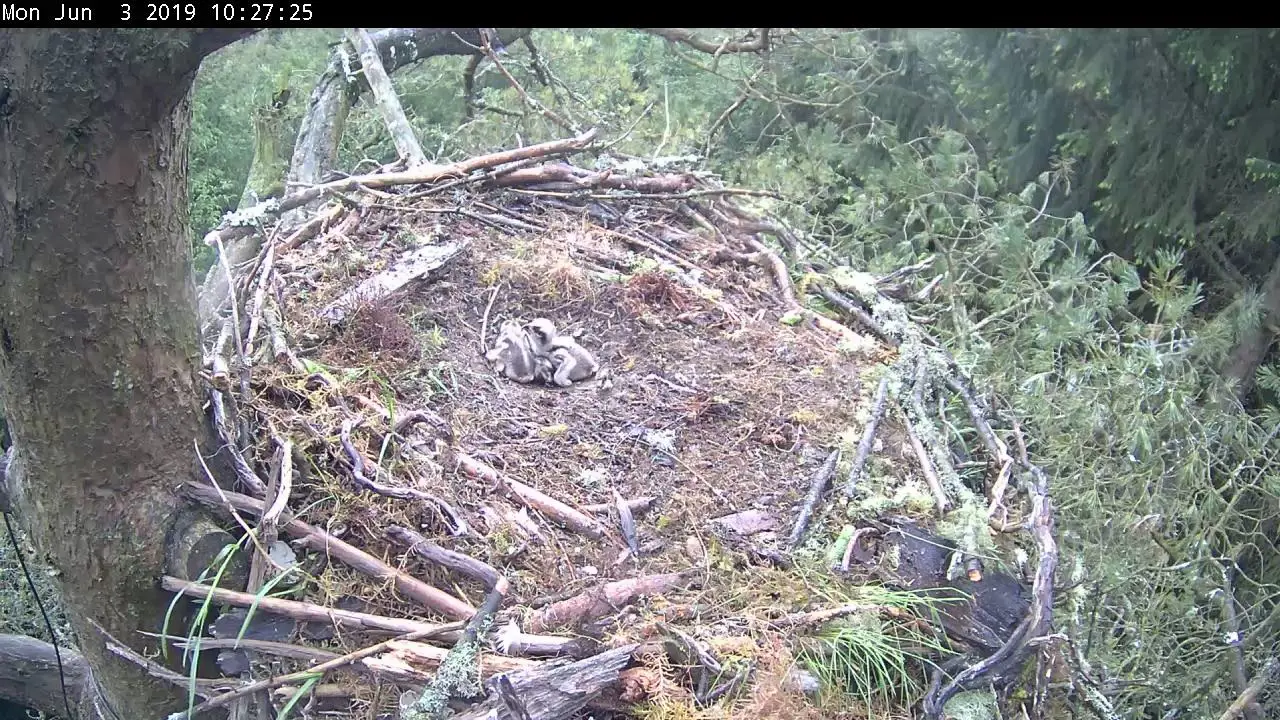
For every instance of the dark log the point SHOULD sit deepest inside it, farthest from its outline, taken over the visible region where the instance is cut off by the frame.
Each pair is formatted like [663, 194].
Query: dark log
[554, 693]
[194, 547]
[29, 674]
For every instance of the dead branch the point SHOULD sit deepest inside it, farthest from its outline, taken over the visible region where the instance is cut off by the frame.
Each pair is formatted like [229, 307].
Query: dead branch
[230, 229]
[531, 498]
[394, 491]
[562, 176]
[302, 675]
[926, 468]
[308, 612]
[863, 317]
[525, 97]
[603, 599]
[222, 423]
[320, 541]
[758, 40]
[867, 442]
[409, 267]
[1251, 691]
[407, 661]
[267, 647]
[550, 693]
[817, 488]
[456, 561]
[385, 98]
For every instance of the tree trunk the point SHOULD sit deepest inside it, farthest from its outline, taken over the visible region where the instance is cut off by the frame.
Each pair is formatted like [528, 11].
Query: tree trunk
[98, 345]
[266, 172]
[1251, 350]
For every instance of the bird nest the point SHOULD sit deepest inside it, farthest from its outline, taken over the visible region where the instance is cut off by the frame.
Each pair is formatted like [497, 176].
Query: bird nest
[664, 531]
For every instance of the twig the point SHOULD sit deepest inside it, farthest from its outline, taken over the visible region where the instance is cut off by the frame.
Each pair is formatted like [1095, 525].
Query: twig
[867, 442]
[817, 488]
[926, 467]
[484, 324]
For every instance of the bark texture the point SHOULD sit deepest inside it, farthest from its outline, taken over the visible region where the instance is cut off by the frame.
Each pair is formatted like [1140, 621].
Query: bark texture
[98, 345]
[29, 674]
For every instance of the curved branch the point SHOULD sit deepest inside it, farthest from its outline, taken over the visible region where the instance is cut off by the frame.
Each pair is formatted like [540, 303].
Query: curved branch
[685, 36]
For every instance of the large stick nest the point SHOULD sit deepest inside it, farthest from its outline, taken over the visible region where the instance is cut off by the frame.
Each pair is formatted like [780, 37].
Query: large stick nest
[358, 339]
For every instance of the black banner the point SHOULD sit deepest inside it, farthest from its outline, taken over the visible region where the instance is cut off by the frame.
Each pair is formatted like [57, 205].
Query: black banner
[204, 13]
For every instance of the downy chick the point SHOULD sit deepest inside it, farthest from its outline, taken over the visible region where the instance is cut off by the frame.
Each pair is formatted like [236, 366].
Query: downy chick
[569, 360]
[514, 356]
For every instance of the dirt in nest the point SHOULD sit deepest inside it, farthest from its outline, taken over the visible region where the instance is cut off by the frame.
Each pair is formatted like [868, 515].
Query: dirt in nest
[747, 405]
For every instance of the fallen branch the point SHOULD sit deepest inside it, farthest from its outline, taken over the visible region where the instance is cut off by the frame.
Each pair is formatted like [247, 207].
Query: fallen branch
[307, 612]
[301, 676]
[229, 230]
[926, 468]
[551, 693]
[603, 599]
[868, 439]
[406, 269]
[320, 541]
[531, 498]
[445, 558]
[1251, 691]
[817, 488]
[415, 662]
[563, 176]
[385, 98]
[392, 491]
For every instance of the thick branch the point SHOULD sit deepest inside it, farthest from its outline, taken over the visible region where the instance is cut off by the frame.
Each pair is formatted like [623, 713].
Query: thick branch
[385, 98]
[685, 36]
[29, 674]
